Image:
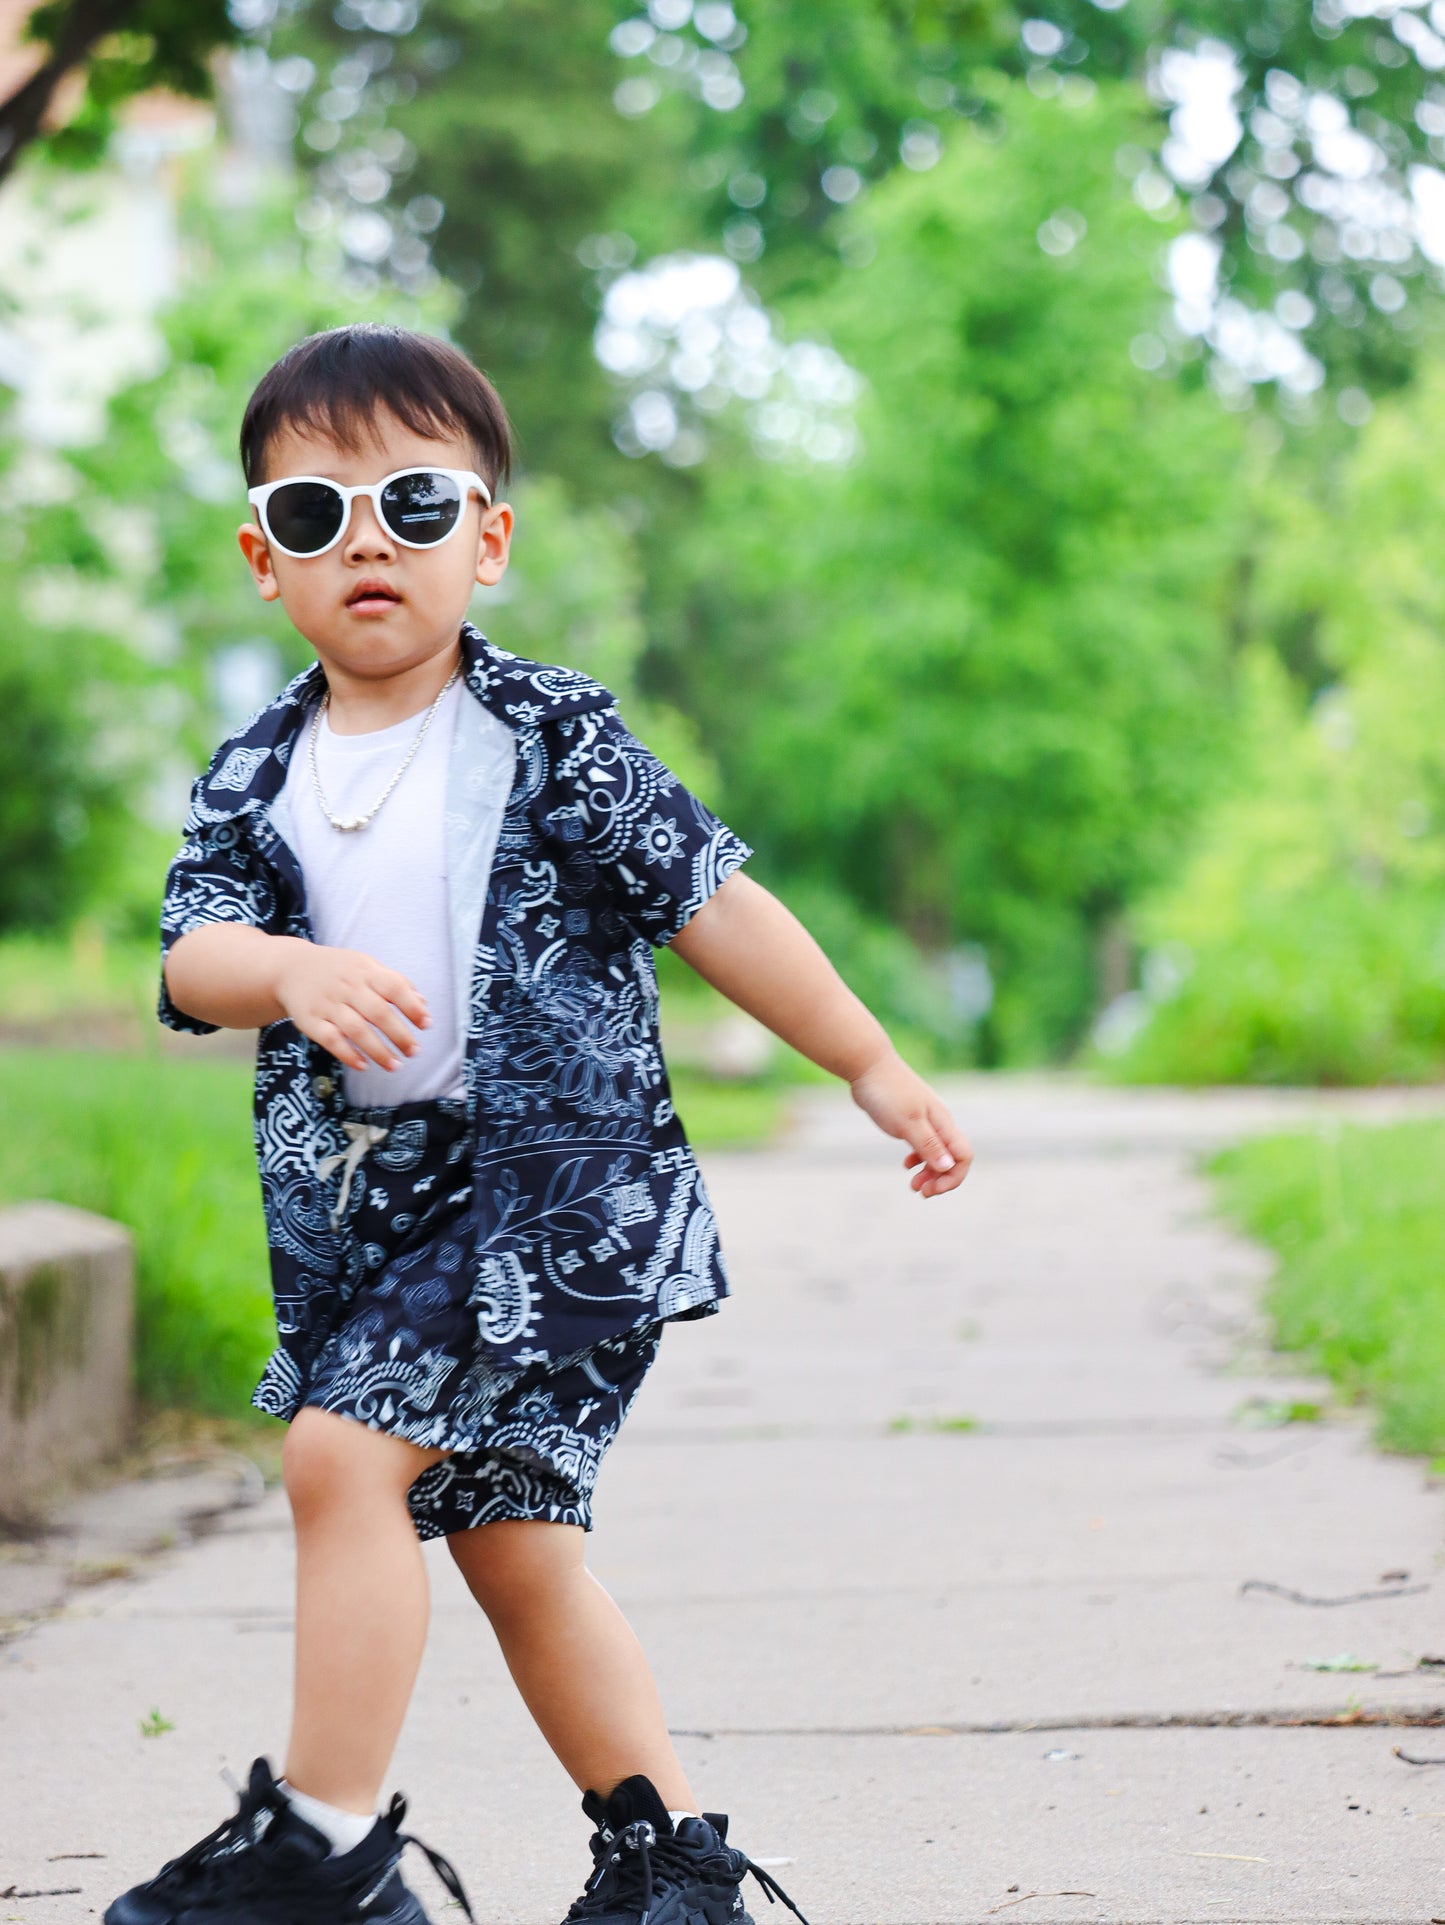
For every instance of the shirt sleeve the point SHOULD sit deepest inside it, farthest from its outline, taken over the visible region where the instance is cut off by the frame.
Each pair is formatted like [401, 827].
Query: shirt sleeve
[660, 852]
[216, 876]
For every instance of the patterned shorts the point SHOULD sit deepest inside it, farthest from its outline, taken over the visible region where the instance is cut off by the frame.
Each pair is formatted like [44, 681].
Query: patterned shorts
[403, 1357]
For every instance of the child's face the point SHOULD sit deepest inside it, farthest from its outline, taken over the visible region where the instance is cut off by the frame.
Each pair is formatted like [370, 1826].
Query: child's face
[421, 593]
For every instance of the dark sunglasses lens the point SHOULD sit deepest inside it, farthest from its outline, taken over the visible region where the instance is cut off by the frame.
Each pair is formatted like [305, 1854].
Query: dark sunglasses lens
[304, 516]
[422, 506]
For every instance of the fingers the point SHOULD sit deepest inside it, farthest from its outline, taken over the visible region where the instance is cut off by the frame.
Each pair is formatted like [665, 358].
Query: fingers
[362, 1040]
[406, 997]
[358, 1009]
[939, 1155]
[928, 1142]
[332, 1040]
[361, 1027]
[386, 1016]
[928, 1183]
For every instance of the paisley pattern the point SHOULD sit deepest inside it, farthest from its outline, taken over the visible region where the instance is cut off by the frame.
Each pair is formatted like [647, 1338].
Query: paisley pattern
[543, 1441]
[525, 1442]
[587, 1216]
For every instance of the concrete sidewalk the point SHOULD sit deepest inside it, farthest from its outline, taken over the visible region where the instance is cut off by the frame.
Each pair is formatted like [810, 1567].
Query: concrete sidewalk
[936, 1673]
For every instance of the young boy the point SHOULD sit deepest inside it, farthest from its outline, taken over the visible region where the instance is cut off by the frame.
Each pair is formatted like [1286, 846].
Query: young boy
[430, 874]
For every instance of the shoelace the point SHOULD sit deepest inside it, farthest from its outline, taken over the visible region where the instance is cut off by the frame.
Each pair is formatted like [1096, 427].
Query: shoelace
[620, 1877]
[443, 1867]
[214, 1867]
[195, 1869]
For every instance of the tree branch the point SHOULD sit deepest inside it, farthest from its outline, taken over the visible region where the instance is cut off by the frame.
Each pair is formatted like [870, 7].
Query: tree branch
[22, 114]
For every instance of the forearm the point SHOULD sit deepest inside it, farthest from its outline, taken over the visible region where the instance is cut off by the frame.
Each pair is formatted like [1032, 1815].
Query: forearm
[756, 952]
[227, 973]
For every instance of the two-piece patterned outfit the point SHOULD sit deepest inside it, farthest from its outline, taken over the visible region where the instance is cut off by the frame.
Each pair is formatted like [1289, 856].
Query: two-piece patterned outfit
[485, 1272]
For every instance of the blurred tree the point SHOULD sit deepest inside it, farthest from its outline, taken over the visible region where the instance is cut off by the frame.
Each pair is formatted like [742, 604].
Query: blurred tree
[555, 145]
[57, 795]
[1308, 143]
[1306, 939]
[124, 47]
[134, 634]
[480, 140]
[979, 678]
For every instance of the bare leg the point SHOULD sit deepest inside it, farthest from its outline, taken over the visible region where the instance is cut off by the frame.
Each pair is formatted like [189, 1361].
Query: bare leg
[574, 1657]
[361, 1603]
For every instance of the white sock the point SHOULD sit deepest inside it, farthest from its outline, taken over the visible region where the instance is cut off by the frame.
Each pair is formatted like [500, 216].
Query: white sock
[676, 1817]
[343, 1829]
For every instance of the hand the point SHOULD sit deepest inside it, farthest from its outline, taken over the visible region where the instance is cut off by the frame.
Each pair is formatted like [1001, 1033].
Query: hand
[351, 1004]
[901, 1104]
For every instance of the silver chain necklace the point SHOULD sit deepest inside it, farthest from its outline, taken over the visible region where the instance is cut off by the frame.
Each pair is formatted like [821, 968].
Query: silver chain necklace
[350, 822]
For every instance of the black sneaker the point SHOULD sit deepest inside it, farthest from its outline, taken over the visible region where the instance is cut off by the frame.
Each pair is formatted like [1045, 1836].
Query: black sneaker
[267, 1866]
[645, 1873]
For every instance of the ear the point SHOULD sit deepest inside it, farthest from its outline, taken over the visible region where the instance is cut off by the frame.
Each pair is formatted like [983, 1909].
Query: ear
[258, 560]
[494, 543]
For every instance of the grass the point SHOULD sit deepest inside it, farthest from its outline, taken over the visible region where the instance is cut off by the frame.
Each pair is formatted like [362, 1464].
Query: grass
[1357, 1220]
[45, 977]
[728, 1116]
[163, 1145]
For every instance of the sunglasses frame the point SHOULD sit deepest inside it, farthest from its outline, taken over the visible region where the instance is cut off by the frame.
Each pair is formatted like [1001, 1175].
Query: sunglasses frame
[465, 478]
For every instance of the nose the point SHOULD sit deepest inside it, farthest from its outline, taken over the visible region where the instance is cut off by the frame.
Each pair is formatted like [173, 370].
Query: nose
[367, 538]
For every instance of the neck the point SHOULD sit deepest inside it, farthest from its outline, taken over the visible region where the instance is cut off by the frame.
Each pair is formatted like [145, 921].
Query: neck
[361, 704]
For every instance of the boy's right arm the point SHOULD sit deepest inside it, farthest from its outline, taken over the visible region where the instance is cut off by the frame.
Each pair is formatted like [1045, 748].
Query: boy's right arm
[239, 977]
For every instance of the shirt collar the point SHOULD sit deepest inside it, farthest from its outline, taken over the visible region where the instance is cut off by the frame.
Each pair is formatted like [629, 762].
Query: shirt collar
[248, 770]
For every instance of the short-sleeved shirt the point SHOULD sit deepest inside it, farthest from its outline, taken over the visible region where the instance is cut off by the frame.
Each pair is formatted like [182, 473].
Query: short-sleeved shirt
[589, 1217]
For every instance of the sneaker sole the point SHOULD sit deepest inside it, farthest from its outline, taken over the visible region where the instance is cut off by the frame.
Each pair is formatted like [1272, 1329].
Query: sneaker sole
[410, 1912]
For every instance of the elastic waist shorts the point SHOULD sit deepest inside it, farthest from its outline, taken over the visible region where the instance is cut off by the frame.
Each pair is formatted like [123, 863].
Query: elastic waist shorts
[403, 1356]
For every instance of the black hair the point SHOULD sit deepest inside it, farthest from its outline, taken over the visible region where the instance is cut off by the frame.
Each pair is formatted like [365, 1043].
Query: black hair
[339, 381]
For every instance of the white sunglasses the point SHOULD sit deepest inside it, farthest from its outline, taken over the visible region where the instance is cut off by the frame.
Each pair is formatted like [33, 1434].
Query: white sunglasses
[305, 515]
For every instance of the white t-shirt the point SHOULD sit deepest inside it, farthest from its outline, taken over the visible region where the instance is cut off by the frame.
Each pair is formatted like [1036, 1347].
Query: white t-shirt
[383, 889]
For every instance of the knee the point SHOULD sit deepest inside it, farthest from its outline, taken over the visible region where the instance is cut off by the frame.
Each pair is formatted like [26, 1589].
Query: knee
[328, 1460]
[313, 1465]
[510, 1565]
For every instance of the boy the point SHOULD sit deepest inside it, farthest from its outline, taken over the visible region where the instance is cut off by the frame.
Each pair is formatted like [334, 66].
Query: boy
[430, 874]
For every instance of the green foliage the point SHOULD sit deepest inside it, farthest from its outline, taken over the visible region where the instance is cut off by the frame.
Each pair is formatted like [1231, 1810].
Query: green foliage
[43, 980]
[892, 974]
[164, 1148]
[56, 796]
[504, 116]
[572, 594]
[1272, 203]
[825, 84]
[1357, 1220]
[123, 49]
[555, 157]
[1336, 986]
[161, 43]
[979, 679]
[1311, 923]
[128, 588]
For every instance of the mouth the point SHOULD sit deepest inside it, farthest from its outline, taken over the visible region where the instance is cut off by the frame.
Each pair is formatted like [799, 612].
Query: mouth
[372, 597]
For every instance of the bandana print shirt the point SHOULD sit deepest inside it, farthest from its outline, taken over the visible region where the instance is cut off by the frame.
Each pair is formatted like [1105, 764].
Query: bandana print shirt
[589, 1215]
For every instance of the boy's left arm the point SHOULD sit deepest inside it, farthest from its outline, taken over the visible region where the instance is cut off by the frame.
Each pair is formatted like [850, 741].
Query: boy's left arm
[757, 953]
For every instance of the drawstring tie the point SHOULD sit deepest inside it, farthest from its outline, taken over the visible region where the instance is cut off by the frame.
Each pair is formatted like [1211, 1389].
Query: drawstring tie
[363, 1137]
